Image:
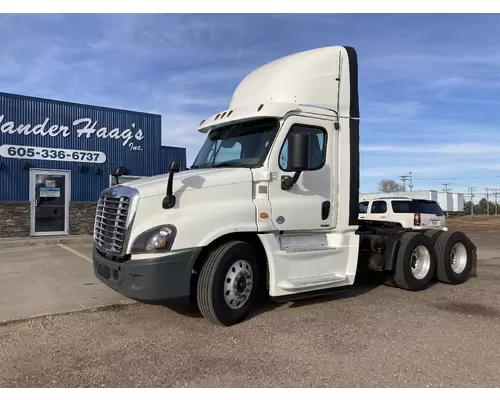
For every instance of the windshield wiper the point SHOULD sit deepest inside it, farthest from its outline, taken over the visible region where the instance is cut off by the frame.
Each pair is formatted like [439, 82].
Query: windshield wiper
[225, 164]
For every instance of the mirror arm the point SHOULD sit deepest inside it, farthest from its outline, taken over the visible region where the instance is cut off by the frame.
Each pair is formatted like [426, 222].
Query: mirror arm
[287, 182]
[169, 199]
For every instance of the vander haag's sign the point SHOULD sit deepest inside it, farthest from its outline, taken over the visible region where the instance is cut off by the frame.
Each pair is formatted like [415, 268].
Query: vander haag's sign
[85, 127]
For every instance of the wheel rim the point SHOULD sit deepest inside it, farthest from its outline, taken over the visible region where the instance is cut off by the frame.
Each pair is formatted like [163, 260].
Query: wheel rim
[458, 258]
[420, 262]
[238, 284]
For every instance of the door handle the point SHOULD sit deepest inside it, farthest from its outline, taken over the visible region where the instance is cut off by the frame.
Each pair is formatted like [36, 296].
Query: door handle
[34, 203]
[325, 210]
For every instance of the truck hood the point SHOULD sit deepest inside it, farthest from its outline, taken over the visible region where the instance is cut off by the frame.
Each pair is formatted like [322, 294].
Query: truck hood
[190, 180]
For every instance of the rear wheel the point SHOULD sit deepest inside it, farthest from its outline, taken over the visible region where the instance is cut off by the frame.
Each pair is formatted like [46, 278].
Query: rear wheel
[433, 234]
[454, 257]
[415, 262]
[228, 283]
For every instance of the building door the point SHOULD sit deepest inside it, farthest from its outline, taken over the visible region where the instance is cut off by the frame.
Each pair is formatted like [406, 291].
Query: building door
[50, 195]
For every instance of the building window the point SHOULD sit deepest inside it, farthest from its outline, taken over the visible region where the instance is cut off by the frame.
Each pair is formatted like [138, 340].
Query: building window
[123, 179]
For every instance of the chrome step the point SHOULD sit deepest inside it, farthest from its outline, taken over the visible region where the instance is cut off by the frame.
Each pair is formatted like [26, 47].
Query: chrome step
[307, 248]
[310, 282]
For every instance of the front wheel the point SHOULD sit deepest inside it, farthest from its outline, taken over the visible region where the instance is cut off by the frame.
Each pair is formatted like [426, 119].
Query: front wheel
[228, 283]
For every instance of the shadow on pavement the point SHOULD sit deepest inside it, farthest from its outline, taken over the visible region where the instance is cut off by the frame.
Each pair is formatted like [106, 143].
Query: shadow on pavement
[365, 283]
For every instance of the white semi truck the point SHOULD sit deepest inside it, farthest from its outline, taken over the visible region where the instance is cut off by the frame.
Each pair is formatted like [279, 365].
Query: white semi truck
[269, 206]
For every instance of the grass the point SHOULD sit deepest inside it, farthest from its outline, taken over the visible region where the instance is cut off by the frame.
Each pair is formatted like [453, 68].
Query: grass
[474, 223]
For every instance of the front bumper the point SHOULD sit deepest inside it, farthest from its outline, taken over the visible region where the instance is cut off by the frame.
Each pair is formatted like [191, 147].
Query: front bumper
[163, 278]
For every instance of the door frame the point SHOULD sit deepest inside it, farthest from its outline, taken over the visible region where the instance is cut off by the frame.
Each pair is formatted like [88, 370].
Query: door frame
[331, 161]
[67, 199]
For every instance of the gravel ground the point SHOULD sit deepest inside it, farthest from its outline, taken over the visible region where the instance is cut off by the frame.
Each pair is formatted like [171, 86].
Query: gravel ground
[368, 335]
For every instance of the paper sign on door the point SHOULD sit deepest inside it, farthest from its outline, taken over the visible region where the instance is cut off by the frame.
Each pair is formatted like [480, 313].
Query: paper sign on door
[50, 192]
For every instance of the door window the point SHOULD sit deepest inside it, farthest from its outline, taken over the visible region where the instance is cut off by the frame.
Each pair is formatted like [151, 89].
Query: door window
[379, 207]
[363, 207]
[317, 147]
[50, 202]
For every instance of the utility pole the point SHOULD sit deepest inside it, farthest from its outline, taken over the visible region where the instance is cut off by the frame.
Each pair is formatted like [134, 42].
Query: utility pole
[487, 200]
[404, 178]
[496, 192]
[446, 187]
[471, 189]
[411, 182]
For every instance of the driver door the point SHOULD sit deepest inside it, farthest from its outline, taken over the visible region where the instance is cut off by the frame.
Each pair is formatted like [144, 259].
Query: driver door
[310, 204]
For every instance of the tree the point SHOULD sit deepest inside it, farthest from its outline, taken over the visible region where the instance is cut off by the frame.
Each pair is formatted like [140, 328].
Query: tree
[389, 186]
[480, 208]
[467, 206]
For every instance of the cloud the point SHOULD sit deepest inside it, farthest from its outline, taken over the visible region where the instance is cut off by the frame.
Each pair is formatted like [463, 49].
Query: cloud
[182, 67]
[423, 93]
[462, 148]
[392, 111]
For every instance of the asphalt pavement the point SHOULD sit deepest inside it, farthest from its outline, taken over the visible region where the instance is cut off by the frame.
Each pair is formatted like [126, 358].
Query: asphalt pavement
[365, 336]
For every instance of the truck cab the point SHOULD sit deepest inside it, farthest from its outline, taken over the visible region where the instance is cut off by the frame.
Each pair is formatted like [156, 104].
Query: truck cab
[269, 206]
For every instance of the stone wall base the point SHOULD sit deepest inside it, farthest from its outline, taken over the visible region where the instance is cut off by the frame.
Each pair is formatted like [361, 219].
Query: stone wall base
[15, 218]
[81, 217]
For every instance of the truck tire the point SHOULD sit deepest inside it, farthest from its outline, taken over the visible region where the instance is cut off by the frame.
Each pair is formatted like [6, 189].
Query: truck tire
[228, 283]
[433, 234]
[454, 257]
[415, 263]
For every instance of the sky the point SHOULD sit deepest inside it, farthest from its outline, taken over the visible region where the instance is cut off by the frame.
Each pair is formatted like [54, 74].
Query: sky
[428, 83]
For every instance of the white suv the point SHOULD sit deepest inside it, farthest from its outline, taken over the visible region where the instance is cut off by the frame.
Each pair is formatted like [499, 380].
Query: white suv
[409, 213]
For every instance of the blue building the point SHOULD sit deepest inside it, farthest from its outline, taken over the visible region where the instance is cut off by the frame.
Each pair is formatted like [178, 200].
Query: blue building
[56, 157]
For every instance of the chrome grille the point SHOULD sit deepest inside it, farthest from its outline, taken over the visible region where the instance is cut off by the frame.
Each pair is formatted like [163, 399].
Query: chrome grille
[110, 226]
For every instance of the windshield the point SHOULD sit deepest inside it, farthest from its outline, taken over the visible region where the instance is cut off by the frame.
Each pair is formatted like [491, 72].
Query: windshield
[244, 144]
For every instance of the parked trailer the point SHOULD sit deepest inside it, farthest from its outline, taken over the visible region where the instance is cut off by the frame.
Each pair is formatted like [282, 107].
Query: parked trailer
[445, 200]
[424, 195]
[270, 204]
[458, 202]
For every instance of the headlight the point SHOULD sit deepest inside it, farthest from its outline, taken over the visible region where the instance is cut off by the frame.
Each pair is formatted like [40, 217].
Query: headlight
[158, 239]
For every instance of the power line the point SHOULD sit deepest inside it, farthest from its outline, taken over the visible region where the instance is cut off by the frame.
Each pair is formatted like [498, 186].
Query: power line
[458, 179]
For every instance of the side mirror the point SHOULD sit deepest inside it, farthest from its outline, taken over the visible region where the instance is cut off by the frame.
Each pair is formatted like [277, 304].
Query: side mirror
[298, 158]
[119, 171]
[298, 151]
[175, 166]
